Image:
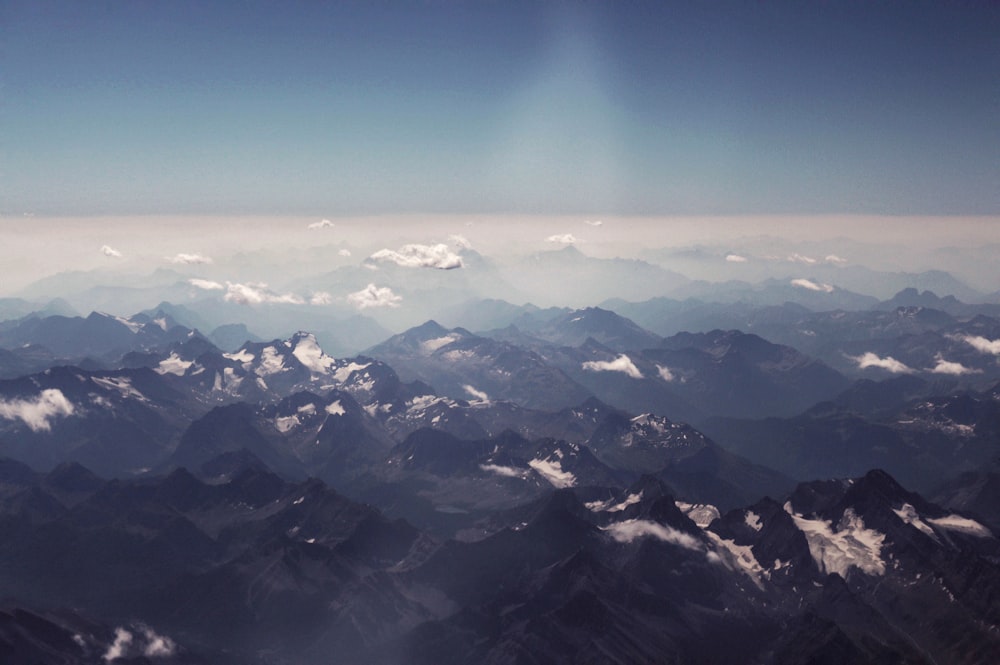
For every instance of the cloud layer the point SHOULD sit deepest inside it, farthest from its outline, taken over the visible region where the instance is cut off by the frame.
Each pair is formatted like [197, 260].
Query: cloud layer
[374, 296]
[438, 256]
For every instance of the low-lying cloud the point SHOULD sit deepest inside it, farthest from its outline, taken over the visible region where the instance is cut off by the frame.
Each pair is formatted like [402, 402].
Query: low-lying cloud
[38, 412]
[189, 259]
[665, 373]
[563, 239]
[736, 258]
[322, 224]
[629, 530]
[438, 256]
[476, 394]
[595, 222]
[344, 252]
[206, 284]
[888, 363]
[943, 366]
[812, 286]
[800, 258]
[834, 259]
[109, 251]
[321, 298]
[257, 294]
[622, 364]
[981, 344]
[374, 296]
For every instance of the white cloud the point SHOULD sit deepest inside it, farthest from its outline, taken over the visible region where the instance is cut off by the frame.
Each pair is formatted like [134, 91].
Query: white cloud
[460, 241]
[563, 238]
[665, 373]
[833, 258]
[629, 530]
[206, 284]
[888, 363]
[981, 344]
[344, 252]
[321, 298]
[158, 646]
[107, 250]
[595, 222]
[189, 259]
[812, 286]
[36, 413]
[438, 256]
[123, 639]
[476, 394]
[256, 294]
[322, 224]
[374, 296]
[954, 369]
[620, 364]
[799, 258]
[736, 258]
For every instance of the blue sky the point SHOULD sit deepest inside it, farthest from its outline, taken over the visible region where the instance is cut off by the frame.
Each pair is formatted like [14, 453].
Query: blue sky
[130, 108]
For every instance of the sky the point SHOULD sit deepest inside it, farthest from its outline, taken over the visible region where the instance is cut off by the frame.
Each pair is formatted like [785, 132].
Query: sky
[499, 108]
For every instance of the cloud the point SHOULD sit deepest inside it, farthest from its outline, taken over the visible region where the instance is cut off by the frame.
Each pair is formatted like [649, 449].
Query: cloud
[344, 252]
[952, 368]
[629, 530]
[460, 241]
[563, 238]
[888, 363]
[811, 285]
[476, 394]
[107, 250]
[833, 258]
[437, 256]
[322, 224]
[799, 258]
[206, 284]
[374, 296]
[981, 344]
[123, 639]
[36, 413]
[736, 258]
[257, 294]
[665, 373]
[620, 364]
[596, 222]
[321, 298]
[158, 646]
[189, 259]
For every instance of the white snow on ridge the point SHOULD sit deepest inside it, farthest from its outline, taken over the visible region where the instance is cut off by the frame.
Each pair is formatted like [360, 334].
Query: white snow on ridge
[120, 384]
[701, 514]
[738, 557]
[131, 325]
[849, 545]
[344, 373]
[552, 471]
[962, 525]
[36, 413]
[287, 423]
[752, 520]
[173, 365]
[335, 409]
[243, 356]
[309, 353]
[909, 514]
[432, 345]
[270, 362]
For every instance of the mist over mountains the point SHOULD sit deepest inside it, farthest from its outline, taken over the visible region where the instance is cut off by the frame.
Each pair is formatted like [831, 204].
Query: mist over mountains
[429, 455]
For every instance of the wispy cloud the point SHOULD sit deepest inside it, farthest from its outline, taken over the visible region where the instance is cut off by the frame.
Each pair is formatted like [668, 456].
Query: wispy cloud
[665, 373]
[107, 250]
[622, 364]
[888, 363]
[981, 344]
[256, 294]
[943, 366]
[438, 256]
[123, 640]
[476, 394]
[629, 530]
[595, 222]
[460, 241]
[812, 286]
[834, 259]
[206, 284]
[322, 224]
[36, 413]
[374, 296]
[563, 239]
[799, 258]
[189, 259]
[736, 258]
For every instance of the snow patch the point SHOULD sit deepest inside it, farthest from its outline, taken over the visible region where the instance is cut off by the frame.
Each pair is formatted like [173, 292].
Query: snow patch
[174, 365]
[335, 409]
[552, 471]
[849, 545]
[343, 373]
[309, 353]
[701, 514]
[752, 520]
[270, 362]
[432, 345]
